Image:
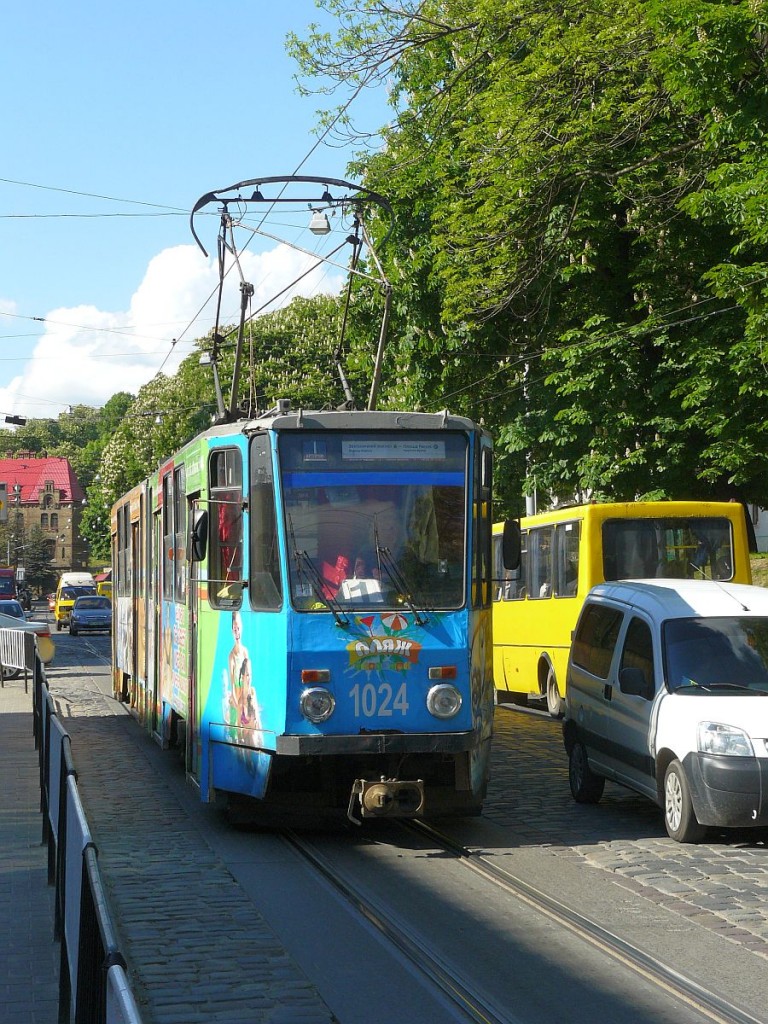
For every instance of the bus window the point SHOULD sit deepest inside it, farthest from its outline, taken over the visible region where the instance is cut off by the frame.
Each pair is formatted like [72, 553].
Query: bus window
[567, 559]
[540, 562]
[667, 548]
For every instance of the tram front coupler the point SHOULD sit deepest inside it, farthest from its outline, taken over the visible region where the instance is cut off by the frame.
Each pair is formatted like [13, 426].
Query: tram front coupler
[386, 798]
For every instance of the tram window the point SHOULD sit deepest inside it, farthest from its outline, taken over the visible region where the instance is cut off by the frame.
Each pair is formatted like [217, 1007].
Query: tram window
[123, 533]
[225, 549]
[180, 534]
[265, 586]
[149, 581]
[481, 563]
[168, 538]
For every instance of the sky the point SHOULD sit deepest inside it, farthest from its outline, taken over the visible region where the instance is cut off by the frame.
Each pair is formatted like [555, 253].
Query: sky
[116, 118]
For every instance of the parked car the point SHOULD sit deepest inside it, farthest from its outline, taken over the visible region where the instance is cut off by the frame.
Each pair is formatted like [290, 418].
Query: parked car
[45, 645]
[92, 612]
[10, 606]
[667, 693]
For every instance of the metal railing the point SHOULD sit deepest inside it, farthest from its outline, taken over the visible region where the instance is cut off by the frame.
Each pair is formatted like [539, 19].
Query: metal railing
[93, 980]
[18, 651]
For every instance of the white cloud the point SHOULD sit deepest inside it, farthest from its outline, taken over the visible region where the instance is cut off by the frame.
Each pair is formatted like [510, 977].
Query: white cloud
[86, 354]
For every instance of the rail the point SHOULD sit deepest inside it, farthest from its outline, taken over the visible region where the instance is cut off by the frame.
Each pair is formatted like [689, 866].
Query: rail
[93, 980]
[18, 649]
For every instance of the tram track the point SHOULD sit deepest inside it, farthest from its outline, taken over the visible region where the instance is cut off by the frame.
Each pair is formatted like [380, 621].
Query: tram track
[711, 1006]
[470, 1002]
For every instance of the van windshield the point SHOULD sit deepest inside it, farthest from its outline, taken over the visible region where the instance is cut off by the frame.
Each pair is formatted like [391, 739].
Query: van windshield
[722, 655]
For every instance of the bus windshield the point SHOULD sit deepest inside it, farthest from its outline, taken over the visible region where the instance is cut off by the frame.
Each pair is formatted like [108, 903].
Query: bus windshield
[375, 520]
[667, 548]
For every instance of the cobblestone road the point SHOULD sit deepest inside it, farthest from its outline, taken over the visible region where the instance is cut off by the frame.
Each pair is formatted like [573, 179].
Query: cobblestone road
[722, 883]
[147, 847]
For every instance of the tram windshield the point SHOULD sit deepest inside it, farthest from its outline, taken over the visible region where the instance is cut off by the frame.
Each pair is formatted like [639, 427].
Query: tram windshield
[375, 520]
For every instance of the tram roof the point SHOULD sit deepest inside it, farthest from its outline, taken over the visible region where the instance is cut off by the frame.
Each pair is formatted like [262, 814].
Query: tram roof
[356, 419]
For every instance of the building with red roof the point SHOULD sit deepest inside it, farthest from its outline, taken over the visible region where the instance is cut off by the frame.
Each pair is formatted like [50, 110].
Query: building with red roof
[43, 491]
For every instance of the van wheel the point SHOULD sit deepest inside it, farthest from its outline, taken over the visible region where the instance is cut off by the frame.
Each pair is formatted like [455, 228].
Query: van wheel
[554, 700]
[586, 787]
[679, 816]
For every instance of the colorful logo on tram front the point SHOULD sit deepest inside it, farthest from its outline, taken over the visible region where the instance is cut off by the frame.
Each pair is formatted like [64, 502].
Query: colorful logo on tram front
[382, 643]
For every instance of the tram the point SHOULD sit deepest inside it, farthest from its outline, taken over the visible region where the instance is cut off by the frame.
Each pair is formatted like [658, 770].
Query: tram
[302, 601]
[302, 605]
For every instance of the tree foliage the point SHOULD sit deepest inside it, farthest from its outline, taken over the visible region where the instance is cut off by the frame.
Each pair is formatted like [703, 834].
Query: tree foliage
[581, 198]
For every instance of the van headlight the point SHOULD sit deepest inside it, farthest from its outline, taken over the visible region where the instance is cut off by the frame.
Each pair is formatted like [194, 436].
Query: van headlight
[444, 701]
[716, 738]
[317, 704]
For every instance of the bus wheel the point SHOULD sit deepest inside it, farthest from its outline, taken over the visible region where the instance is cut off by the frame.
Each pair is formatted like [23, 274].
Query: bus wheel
[554, 700]
[586, 787]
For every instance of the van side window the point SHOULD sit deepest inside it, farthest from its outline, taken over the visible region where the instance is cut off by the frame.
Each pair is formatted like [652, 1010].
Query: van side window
[595, 639]
[638, 649]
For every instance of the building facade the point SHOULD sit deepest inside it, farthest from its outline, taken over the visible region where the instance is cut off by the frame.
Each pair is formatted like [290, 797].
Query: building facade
[44, 492]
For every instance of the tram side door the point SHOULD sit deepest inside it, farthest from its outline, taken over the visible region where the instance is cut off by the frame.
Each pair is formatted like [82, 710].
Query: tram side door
[137, 617]
[153, 612]
[193, 723]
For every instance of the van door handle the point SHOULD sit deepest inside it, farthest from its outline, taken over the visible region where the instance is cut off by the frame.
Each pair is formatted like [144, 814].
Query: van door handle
[608, 691]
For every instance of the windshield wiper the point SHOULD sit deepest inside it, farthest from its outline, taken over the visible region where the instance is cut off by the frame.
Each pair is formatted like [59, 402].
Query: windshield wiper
[306, 569]
[389, 564]
[709, 687]
[735, 686]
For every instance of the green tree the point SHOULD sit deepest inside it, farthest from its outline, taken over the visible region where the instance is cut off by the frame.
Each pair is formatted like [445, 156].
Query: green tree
[38, 561]
[570, 182]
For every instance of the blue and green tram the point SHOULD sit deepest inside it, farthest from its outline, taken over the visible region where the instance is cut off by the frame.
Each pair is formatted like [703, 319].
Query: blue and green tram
[303, 605]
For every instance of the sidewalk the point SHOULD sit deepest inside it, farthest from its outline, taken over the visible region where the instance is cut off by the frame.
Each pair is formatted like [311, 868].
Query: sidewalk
[29, 958]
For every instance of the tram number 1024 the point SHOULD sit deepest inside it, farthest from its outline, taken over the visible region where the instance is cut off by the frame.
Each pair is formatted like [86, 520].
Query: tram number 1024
[372, 701]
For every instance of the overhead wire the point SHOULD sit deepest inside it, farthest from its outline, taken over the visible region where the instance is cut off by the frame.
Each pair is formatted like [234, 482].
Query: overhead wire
[320, 139]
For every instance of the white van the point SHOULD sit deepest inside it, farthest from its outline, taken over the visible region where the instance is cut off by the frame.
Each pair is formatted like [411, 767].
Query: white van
[667, 693]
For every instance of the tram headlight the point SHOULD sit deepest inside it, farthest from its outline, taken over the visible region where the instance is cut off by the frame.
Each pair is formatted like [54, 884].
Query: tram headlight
[444, 701]
[317, 704]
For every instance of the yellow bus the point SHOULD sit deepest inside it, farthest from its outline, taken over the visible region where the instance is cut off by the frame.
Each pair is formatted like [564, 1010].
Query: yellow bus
[567, 551]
